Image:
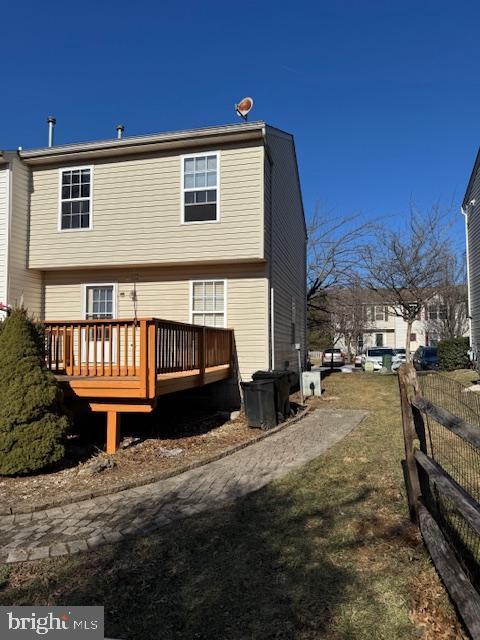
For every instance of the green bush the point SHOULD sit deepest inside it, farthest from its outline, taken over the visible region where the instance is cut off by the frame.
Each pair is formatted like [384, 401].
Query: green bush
[32, 420]
[453, 354]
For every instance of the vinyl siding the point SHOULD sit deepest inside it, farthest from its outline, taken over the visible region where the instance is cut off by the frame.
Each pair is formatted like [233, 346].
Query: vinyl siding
[473, 239]
[4, 174]
[165, 293]
[137, 215]
[24, 285]
[288, 250]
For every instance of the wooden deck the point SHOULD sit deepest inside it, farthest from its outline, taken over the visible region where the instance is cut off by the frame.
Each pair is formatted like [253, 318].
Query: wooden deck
[119, 366]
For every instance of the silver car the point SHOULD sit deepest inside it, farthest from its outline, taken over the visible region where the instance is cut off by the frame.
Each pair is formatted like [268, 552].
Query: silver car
[333, 357]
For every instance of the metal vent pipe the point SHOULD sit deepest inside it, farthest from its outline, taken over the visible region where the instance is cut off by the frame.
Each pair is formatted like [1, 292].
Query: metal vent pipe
[51, 126]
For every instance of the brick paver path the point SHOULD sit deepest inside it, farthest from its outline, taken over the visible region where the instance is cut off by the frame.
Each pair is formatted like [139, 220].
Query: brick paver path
[91, 523]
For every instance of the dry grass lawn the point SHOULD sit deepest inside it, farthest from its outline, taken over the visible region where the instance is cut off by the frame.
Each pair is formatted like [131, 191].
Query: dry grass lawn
[325, 553]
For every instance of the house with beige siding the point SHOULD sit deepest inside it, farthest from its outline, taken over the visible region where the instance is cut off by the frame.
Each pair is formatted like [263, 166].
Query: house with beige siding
[197, 228]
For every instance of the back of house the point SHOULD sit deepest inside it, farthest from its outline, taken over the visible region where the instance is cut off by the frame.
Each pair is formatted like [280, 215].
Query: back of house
[202, 226]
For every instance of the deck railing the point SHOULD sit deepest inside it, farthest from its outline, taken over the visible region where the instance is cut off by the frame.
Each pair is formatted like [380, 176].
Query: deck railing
[144, 347]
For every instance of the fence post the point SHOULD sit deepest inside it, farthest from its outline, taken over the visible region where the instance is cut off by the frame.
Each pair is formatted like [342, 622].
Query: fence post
[408, 386]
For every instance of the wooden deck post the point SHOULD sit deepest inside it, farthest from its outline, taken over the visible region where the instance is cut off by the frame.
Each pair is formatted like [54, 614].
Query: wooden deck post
[202, 353]
[113, 431]
[408, 385]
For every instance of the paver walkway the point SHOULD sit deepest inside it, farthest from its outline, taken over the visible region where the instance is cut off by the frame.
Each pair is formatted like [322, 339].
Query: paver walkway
[91, 523]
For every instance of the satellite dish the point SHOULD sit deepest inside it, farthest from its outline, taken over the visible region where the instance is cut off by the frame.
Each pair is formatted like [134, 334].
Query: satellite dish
[244, 107]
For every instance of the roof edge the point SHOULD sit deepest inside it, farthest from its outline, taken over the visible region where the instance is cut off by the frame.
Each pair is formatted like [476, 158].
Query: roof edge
[473, 175]
[136, 141]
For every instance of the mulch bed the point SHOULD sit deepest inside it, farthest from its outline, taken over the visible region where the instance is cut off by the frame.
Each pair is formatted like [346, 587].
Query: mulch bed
[177, 435]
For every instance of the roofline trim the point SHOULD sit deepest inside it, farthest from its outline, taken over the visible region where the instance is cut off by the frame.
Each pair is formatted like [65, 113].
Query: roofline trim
[135, 141]
[473, 175]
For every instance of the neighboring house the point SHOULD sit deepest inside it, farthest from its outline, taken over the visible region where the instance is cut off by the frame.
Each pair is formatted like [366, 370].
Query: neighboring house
[471, 212]
[203, 226]
[386, 329]
[380, 326]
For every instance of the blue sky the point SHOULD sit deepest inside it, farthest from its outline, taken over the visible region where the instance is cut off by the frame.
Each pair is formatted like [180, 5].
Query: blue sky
[383, 97]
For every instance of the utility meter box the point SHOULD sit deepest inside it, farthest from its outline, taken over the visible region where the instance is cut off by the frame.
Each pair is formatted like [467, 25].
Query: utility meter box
[312, 383]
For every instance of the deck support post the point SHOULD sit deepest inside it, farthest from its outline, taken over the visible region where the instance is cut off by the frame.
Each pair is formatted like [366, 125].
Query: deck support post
[113, 431]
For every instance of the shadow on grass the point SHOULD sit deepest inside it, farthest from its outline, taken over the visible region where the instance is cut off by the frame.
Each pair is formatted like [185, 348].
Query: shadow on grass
[258, 569]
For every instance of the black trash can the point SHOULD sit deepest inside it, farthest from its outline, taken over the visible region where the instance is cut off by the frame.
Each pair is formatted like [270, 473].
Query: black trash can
[259, 401]
[294, 381]
[281, 380]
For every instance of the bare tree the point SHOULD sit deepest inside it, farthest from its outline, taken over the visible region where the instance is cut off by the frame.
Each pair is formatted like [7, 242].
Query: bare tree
[344, 318]
[349, 316]
[406, 265]
[446, 315]
[334, 245]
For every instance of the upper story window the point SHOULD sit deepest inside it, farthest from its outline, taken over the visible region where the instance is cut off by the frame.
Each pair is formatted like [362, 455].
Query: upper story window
[436, 312]
[76, 198]
[376, 313]
[200, 188]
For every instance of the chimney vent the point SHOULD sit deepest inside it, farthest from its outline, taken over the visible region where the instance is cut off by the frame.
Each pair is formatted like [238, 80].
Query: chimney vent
[51, 126]
[120, 129]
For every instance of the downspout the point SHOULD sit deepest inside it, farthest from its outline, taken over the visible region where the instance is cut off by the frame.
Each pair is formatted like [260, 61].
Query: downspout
[8, 227]
[271, 293]
[469, 300]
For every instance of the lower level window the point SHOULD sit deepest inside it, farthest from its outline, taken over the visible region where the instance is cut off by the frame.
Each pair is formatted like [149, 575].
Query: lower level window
[379, 339]
[208, 303]
[99, 302]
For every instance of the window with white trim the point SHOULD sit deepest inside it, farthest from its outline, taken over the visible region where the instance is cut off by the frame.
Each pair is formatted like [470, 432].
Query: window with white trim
[75, 198]
[208, 303]
[436, 312]
[99, 302]
[200, 188]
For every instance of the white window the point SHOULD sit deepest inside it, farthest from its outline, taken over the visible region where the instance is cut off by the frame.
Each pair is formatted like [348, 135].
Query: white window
[99, 302]
[200, 188]
[76, 198]
[437, 312]
[381, 313]
[376, 313]
[208, 303]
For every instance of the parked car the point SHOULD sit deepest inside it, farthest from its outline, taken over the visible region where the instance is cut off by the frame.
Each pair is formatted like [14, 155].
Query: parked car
[358, 360]
[375, 355]
[333, 356]
[399, 357]
[426, 359]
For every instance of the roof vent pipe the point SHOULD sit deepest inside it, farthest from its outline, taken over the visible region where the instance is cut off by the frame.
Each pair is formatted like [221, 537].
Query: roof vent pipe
[51, 126]
[120, 129]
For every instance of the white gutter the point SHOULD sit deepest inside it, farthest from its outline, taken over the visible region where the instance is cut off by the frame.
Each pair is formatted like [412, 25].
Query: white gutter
[469, 301]
[271, 294]
[8, 226]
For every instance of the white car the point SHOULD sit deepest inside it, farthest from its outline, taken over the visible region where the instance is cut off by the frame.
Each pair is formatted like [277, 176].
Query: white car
[375, 356]
[399, 357]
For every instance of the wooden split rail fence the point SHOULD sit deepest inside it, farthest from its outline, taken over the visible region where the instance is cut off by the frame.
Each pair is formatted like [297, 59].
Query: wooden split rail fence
[442, 476]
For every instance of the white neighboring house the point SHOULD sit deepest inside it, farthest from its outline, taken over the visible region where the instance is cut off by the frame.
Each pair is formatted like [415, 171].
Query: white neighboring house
[384, 328]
